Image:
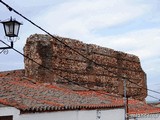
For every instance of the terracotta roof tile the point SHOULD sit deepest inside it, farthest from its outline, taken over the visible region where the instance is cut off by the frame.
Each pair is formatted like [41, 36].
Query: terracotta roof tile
[139, 107]
[27, 95]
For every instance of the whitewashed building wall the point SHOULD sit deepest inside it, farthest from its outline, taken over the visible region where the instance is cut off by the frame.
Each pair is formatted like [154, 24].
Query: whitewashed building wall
[116, 114]
[10, 111]
[113, 114]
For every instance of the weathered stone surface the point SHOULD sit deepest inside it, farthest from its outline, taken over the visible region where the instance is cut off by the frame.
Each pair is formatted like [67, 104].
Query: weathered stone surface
[105, 70]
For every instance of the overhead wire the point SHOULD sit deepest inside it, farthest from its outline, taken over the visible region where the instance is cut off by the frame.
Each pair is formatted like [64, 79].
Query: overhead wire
[154, 97]
[106, 67]
[51, 70]
[68, 79]
[103, 66]
[144, 87]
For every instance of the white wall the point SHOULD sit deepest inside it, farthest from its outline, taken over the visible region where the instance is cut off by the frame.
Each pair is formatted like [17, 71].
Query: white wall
[10, 111]
[112, 114]
[116, 114]
[64, 115]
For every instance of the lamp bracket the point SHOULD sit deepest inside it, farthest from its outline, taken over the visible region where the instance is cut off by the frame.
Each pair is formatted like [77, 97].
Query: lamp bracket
[5, 49]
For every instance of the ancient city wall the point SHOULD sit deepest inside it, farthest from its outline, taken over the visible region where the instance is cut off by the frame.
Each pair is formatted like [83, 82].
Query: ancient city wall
[105, 69]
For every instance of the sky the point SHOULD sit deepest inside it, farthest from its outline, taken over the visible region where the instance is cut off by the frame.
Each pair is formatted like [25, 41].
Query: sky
[131, 26]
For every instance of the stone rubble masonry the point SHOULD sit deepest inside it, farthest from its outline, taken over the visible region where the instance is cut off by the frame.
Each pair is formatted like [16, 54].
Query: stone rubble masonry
[64, 66]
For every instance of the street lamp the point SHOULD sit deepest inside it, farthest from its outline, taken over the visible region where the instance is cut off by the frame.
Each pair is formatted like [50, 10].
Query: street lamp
[11, 28]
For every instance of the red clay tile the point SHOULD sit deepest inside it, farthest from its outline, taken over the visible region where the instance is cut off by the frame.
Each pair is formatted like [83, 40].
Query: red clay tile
[26, 95]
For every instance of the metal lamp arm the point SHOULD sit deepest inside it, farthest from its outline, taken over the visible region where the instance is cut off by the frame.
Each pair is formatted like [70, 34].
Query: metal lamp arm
[8, 46]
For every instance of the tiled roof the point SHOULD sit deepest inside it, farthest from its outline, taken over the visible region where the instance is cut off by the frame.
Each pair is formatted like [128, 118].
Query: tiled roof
[140, 107]
[27, 95]
[155, 104]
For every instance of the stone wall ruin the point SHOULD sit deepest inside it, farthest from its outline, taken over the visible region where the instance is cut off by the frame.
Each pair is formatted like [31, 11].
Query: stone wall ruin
[105, 71]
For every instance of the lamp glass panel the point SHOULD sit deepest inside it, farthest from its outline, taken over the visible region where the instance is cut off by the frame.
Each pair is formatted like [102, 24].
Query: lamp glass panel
[9, 28]
[16, 29]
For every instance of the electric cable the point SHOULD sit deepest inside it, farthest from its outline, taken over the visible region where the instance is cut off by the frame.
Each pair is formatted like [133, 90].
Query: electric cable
[68, 79]
[144, 87]
[154, 97]
[106, 67]
[103, 66]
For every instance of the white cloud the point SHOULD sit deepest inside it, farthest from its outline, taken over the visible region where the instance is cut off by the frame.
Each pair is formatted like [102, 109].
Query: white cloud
[83, 16]
[79, 19]
[144, 43]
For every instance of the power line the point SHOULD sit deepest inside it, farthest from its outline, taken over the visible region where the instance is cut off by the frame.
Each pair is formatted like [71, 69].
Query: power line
[144, 87]
[103, 66]
[11, 9]
[125, 103]
[154, 97]
[71, 81]
[106, 67]
[51, 70]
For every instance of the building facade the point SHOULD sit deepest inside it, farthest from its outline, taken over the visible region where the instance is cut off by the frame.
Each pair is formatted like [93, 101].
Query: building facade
[14, 114]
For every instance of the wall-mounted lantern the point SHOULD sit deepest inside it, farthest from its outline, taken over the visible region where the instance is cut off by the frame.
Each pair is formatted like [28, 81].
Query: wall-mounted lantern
[11, 28]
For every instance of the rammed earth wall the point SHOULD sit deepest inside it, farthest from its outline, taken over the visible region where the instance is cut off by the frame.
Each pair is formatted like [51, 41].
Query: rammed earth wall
[105, 70]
